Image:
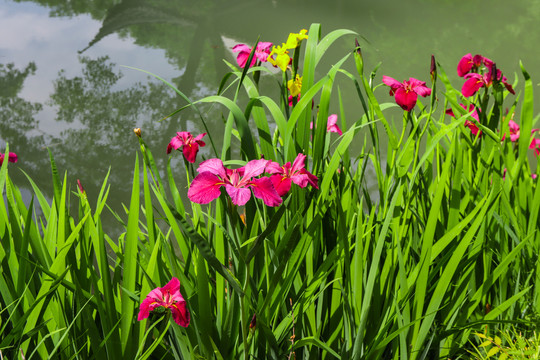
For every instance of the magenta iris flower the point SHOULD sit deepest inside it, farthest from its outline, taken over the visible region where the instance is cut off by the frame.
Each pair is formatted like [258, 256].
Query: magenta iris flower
[475, 81]
[470, 63]
[12, 157]
[331, 125]
[168, 297]
[283, 176]
[213, 175]
[261, 53]
[406, 93]
[188, 143]
[470, 124]
[535, 144]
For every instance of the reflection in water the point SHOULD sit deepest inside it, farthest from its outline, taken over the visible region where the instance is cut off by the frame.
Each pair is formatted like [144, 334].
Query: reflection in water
[99, 111]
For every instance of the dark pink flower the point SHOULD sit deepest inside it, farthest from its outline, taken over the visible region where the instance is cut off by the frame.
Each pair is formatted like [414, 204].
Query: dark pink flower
[535, 144]
[168, 297]
[475, 81]
[261, 53]
[470, 63]
[406, 93]
[514, 131]
[331, 125]
[213, 175]
[188, 143]
[470, 124]
[12, 157]
[283, 176]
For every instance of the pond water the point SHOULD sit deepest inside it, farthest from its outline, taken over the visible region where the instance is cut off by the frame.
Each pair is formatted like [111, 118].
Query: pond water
[63, 87]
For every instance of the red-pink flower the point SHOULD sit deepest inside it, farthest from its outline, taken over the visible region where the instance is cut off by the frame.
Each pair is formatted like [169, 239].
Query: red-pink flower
[406, 93]
[475, 81]
[168, 297]
[331, 125]
[12, 157]
[213, 175]
[535, 144]
[261, 53]
[470, 124]
[470, 63]
[188, 143]
[284, 176]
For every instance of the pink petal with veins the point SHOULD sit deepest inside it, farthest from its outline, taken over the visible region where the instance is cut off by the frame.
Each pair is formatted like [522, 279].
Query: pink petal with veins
[205, 188]
[264, 190]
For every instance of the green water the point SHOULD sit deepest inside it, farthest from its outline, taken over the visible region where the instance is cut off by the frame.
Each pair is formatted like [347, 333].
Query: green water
[63, 87]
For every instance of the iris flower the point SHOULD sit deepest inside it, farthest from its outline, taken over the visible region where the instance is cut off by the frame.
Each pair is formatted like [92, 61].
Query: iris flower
[168, 297]
[470, 63]
[12, 157]
[188, 143]
[331, 125]
[475, 81]
[261, 53]
[470, 124]
[284, 176]
[213, 175]
[535, 144]
[294, 39]
[406, 93]
[295, 86]
[282, 59]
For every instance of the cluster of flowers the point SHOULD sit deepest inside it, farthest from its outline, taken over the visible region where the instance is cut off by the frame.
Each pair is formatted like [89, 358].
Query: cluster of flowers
[278, 56]
[480, 72]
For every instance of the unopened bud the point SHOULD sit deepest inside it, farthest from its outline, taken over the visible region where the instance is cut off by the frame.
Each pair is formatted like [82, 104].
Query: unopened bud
[253, 322]
[433, 69]
[358, 58]
[137, 132]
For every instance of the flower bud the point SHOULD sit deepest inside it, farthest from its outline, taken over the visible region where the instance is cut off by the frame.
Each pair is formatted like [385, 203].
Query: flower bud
[137, 132]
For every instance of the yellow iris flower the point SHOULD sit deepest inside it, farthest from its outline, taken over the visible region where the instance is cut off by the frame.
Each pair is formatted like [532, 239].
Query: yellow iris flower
[294, 39]
[282, 57]
[295, 86]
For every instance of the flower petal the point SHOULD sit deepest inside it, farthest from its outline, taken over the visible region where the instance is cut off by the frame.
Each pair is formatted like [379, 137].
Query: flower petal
[332, 126]
[180, 313]
[190, 151]
[254, 168]
[393, 83]
[473, 83]
[274, 168]
[213, 166]
[205, 188]
[281, 183]
[264, 190]
[406, 99]
[239, 196]
[464, 65]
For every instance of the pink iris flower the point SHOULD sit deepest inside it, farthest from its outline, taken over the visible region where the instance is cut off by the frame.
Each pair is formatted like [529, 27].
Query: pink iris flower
[261, 53]
[515, 133]
[331, 125]
[284, 176]
[475, 81]
[213, 175]
[406, 93]
[535, 144]
[12, 157]
[188, 143]
[470, 124]
[168, 297]
[470, 63]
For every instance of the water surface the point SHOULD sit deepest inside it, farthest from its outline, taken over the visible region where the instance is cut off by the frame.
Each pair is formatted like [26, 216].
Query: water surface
[63, 87]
